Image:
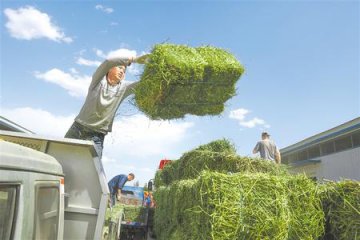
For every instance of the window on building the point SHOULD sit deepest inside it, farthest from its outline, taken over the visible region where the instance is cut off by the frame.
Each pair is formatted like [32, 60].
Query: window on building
[303, 155]
[343, 143]
[314, 152]
[8, 203]
[356, 139]
[285, 159]
[293, 157]
[327, 148]
[47, 211]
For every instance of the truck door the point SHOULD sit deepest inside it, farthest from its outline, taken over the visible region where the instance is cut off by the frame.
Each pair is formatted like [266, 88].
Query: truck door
[47, 207]
[8, 209]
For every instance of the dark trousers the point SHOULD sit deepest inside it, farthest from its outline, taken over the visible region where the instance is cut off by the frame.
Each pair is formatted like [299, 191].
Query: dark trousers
[113, 197]
[77, 131]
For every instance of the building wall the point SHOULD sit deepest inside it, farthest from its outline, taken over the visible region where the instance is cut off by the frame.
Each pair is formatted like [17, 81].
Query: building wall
[340, 165]
[310, 170]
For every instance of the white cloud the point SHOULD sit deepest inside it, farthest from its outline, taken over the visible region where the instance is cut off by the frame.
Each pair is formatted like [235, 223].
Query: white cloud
[138, 136]
[73, 71]
[124, 167]
[121, 52]
[240, 115]
[76, 85]
[252, 123]
[86, 62]
[135, 69]
[29, 23]
[104, 9]
[115, 53]
[137, 144]
[39, 121]
[99, 53]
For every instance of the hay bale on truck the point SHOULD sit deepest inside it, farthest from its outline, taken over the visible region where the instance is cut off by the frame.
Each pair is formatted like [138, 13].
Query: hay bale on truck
[179, 80]
[219, 156]
[212, 193]
[341, 204]
[239, 206]
[128, 219]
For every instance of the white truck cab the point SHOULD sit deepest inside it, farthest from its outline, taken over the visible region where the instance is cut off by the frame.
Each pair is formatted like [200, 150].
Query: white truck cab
[50, 188]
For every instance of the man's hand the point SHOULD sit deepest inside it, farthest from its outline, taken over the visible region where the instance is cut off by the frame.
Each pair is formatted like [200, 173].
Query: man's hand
[141, 59]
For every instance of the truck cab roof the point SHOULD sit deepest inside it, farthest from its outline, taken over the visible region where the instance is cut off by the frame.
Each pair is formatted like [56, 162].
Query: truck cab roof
[17, 157]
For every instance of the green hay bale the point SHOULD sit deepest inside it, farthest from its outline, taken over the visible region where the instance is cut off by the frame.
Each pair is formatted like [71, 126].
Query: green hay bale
[163, 223]
[220, 145]
[341, 204]
[307, 221]
[113, 214]
[239, 206]
[173, 170]
[158, 181]
[220, 63]
[131, 213]
[219, 156]
[134, 213]
[179, 80]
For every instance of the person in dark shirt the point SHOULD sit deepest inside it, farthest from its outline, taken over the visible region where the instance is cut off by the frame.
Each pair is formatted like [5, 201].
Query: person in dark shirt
[115, 186]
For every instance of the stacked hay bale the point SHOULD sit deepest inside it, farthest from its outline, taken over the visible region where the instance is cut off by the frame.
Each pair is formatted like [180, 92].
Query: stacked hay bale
[127, 213]
[219, 156]
[219, 195]
[111, 218]
[134, 213]
[341, 203]
[179, 80]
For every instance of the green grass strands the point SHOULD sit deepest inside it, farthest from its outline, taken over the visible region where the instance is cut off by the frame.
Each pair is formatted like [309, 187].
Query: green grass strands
[239, 206]
[134, 213]
[341, 203]
[219, 156]
[179, 80]
[307, 221]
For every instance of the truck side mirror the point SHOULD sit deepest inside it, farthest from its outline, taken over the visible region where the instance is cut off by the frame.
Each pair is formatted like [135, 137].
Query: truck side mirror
[150, 185]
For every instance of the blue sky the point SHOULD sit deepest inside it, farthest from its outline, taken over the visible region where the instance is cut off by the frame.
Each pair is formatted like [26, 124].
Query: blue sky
[301, 58]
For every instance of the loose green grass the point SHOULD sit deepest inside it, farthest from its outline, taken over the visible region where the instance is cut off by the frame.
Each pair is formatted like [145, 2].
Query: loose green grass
[179, 80]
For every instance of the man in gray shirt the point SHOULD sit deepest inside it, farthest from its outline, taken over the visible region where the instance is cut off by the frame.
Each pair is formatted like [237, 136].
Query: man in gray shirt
[267, 149]
[106, 92]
